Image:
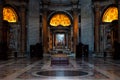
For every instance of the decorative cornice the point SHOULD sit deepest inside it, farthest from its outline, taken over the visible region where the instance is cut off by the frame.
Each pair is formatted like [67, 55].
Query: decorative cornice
[17, 3]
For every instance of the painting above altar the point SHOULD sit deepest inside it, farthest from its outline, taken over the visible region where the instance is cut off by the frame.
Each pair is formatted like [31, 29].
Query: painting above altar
[60, 40]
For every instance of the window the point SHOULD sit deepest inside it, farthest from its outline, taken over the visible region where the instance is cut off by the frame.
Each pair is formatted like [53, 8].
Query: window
[9, 14]
[110, 14]
[60, 19]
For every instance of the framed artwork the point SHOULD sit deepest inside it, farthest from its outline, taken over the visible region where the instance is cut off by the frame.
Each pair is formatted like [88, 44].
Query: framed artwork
[60, 40]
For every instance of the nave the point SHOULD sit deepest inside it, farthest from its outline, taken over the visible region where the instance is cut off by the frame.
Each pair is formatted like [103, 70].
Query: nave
[77, 69]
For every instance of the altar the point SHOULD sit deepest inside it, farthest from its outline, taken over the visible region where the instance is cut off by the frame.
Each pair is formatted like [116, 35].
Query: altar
[59, 59]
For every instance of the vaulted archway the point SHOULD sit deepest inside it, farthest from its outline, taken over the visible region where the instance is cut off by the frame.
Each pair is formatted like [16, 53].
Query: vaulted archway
[59, 31]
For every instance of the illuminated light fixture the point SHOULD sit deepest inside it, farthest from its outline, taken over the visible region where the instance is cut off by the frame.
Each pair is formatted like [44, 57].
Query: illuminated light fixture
[9, 15]
[110, 14]
[60, 19]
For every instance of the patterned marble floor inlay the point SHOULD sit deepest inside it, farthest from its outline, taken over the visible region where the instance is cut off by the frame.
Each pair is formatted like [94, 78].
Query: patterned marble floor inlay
[51, 72]
[78, 69]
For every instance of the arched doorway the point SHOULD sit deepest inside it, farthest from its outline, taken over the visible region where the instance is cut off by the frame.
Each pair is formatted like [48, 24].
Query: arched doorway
[108, 30]
[15, 33]
[7, 38]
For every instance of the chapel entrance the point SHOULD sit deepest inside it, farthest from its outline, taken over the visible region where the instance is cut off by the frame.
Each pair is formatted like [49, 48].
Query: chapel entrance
[60, 33]
[60, 39]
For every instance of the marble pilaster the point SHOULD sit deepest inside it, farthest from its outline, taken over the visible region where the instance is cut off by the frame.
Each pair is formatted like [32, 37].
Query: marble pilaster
[45, 31]
[1, 18]
[23, 29]
[1, 25]
[75, 29]
[119, 21]
[96, 26]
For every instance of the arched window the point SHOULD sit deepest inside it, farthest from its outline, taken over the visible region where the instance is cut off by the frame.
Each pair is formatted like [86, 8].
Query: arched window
[110, 14]
[60, 19]
[9, 15]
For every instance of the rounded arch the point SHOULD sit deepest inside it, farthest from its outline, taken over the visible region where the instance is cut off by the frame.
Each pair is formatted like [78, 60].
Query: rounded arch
[62, 13]
[10, 14]
[108, 15]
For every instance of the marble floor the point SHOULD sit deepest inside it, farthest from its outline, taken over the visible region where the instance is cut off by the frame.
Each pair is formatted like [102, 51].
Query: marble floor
[28, 69]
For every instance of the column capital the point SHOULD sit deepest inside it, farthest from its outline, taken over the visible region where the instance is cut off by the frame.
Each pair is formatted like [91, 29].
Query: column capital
[22, 7]
[44, 11]
[45, 8]
[1, 11]
[75, 11]
[97, 5]
[97, 9]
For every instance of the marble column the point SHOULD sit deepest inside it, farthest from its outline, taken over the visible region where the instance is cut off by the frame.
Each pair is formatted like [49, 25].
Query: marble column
[119, 21]
[23, 30]
[1, 18]
[1, 25]
[70, 40]
[75, 29]
[49, 36]
[67, 39]
[96, 26]
[45, 31]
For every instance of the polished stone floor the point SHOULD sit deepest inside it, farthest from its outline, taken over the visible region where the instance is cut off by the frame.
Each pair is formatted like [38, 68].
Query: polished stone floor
[78, 69]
